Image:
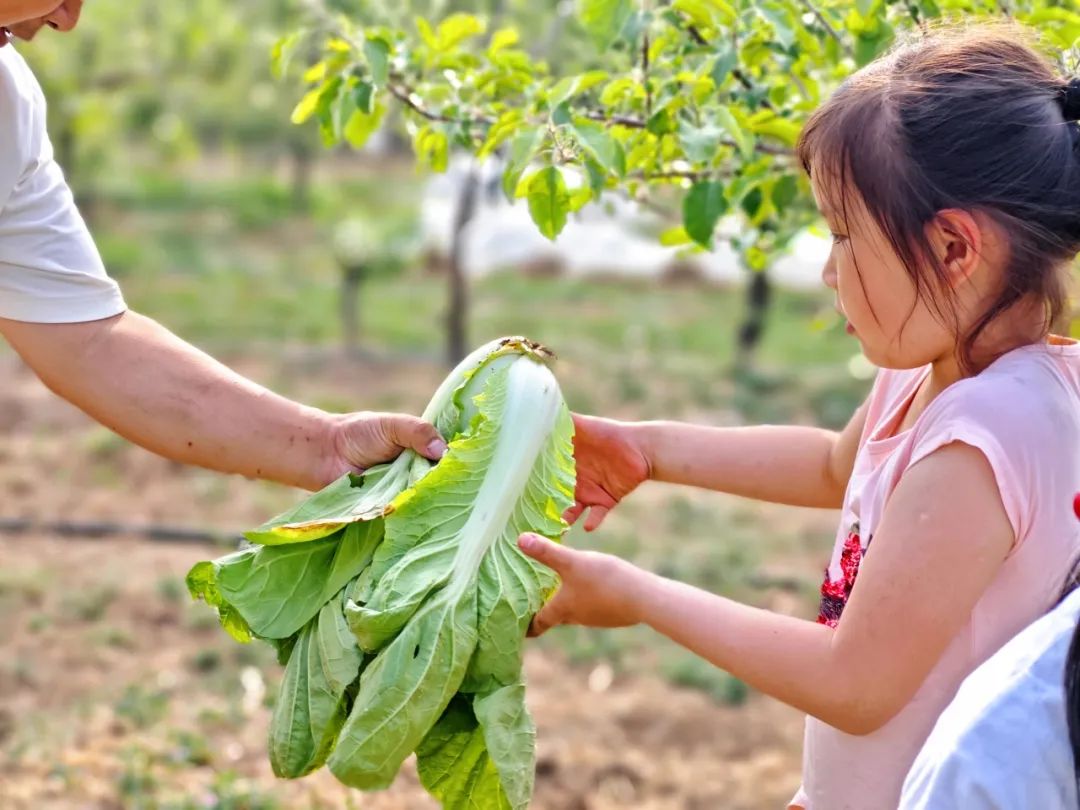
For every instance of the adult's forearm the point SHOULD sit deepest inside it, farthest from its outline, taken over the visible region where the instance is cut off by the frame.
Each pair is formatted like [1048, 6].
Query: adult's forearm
[137, 378]
[780, 464]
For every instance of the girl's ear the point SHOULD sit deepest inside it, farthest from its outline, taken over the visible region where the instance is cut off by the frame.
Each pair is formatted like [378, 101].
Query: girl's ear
[957, 240]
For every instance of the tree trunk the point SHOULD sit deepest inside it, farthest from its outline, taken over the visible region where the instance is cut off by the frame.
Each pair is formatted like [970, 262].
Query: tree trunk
[351, 276]
[758, 296]
[457, 311]
[303, 160]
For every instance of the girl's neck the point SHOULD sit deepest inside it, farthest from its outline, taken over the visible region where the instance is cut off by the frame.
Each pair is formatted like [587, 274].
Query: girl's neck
[948, 369]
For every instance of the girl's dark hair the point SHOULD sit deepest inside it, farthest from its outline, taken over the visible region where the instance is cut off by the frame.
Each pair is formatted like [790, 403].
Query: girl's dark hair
[970, 118]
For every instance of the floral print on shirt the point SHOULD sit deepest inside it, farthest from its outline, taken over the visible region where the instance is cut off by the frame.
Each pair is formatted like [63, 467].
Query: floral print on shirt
[836, 592]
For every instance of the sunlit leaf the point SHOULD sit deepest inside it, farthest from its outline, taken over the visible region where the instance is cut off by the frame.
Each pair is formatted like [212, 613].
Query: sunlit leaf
[604, 19]
[549, 201]
[703, 206]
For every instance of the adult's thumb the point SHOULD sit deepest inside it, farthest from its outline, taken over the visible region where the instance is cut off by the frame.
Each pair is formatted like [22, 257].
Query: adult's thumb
[418, 435]
[554, 555]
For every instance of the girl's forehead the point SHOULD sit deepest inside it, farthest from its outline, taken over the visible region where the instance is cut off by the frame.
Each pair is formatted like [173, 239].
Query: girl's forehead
[830, 196]
[839, 202]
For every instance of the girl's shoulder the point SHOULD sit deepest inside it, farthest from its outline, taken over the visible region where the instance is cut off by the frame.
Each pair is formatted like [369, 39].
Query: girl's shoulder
[1023, 414]
[1034, 389]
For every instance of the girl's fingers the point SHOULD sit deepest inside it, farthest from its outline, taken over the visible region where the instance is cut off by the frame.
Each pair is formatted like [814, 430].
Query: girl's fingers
[540, 624]
[572, 514]
[595, 518]
[557, 557]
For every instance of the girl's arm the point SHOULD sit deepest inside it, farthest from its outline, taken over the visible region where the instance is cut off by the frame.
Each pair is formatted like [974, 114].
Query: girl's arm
[937, 549]
[799, 466]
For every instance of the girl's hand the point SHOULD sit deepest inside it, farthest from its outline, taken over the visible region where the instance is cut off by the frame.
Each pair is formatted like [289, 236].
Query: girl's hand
[611, 463]
[598, 590]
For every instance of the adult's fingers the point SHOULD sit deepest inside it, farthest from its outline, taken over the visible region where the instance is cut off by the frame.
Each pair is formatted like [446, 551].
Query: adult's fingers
[415, 434]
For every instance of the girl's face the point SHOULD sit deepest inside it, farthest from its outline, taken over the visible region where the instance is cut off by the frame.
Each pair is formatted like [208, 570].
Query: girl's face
[874, 292]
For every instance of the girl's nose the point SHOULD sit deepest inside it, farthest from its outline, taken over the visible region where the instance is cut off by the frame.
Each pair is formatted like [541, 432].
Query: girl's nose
[828, 274]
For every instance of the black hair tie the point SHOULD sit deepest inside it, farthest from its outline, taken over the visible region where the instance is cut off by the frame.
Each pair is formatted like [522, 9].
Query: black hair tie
[1069, 99]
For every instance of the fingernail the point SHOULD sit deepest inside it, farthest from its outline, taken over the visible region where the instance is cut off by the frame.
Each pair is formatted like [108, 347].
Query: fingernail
[436, 448]
[528, 542]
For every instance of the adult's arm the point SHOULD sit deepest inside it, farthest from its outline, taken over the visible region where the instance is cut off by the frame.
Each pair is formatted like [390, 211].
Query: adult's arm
[140, 380]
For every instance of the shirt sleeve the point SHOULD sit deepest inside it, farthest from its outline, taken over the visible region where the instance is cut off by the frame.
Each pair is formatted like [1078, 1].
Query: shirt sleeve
[972, 412]
[50, 269]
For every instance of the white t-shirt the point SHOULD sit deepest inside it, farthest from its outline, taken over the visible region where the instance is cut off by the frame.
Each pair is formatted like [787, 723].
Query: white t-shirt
[1003, 742]
[50, 269]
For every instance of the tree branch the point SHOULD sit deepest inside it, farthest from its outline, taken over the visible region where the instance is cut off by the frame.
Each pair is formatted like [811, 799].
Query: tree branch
[741, 77]
[678, 175]
[621, 120]
[696, 35]
[404, 95]
[645, 73]
[846, 46]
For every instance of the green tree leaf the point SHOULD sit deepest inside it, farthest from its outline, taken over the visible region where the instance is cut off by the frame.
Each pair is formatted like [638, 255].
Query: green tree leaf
[700, 143]
[673, 237]
[377, 53]
[282, 53]
[866, 7]
[604, 19]
[523, 149]
[456, 28]
[549, 201]
[502, 39]
[432, 148]
[780, 19]
[703, 206]
[743, 141]
[307, 106]
[598, 144]
[784, 191]
[360, 125]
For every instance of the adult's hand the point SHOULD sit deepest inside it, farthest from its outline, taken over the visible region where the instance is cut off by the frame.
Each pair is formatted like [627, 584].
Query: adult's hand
[362, 440]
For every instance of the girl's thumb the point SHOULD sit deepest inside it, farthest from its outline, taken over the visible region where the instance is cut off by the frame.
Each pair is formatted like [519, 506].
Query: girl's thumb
[553, 555]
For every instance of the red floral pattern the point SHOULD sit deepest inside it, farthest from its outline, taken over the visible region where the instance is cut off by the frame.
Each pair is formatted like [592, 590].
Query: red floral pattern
[836, 592]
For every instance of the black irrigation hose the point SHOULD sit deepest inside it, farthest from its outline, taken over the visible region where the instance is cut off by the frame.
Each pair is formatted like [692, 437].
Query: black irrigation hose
[97, 530]
[179, 534]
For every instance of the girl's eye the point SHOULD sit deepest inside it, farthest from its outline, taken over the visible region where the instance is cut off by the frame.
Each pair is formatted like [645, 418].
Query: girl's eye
[838, 238]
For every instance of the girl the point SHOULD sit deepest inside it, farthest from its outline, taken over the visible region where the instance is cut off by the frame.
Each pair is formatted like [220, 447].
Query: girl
[949, 174]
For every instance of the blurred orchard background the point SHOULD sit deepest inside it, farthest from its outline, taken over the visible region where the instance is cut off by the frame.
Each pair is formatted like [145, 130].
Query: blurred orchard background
[339, 198]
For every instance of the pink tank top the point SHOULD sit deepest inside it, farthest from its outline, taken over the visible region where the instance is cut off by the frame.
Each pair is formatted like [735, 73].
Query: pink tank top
[1023, 414]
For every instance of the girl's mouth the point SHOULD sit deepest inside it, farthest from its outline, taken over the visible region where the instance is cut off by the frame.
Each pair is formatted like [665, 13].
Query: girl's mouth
[849, 328]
